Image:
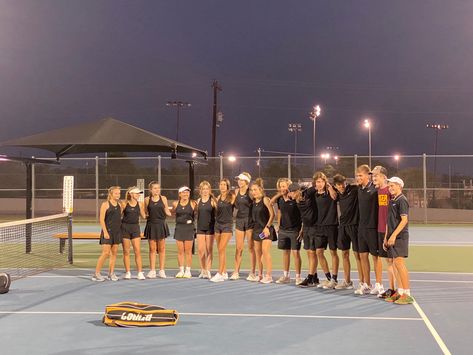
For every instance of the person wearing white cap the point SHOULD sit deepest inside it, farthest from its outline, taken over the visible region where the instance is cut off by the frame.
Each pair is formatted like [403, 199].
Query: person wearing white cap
[223, 227]
[184, 232]
[156, 230]
[396, 242]
[244, 226]
[131, 234]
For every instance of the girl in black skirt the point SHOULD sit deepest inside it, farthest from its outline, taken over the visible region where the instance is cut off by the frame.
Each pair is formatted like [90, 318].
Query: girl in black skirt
[223, 228]
[131, 234]
[184, 233]
[263, 215]
[156, 230]
[110, 237]
[206, 206]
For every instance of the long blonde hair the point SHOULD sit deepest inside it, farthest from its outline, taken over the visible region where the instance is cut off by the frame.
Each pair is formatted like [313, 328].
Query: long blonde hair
[110, 190]
[322, 176]
[280, 180]
[205, 183]
[150, 186]
[259, 184]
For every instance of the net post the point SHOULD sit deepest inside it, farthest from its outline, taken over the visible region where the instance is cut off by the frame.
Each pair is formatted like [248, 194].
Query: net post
[289, 166]
[96, 188]
[159, 169]
[70, 255]
[424, 183]
[29, 199]
[355, 160]
[68, 206]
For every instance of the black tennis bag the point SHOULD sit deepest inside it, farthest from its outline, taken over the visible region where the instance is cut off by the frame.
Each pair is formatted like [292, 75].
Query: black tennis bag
[132, 314]
[5, 282]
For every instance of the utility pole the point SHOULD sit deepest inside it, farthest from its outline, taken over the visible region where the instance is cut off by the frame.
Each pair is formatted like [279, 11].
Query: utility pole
[216, 88]
[437, 128]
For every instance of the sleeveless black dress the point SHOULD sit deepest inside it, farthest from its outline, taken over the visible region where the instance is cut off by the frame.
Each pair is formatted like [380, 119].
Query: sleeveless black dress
[205, 217]
[260, 215]
[184, 222]
[131, 222]
[113, 222]
[244, 217]
[156, 226]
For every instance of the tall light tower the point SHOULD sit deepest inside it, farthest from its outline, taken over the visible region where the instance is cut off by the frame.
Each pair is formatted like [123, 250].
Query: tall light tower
[313, 115]
[295, 128]
[178, 104]
[437, 128]
[367, 124]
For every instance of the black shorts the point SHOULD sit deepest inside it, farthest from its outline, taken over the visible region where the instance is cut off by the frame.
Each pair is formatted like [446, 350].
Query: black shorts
[308, 235]
[326, 235]
[244, 224]
[156, 231]
[381, 252]
[131, 231]
[287, 240]
[348, 235]
[223, 228]
[368, 240]
[400, 248]
[115, 237]
[207, 232]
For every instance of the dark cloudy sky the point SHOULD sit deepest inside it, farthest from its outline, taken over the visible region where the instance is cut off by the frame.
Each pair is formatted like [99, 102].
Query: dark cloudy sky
[403, 63]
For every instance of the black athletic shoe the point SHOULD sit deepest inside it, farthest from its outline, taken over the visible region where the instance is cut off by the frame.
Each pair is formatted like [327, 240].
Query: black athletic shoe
[315, 282]
[386, 294]
[308, 282]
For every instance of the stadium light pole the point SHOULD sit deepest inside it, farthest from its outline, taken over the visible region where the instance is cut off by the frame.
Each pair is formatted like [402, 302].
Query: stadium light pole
[313, 115]
[178, 104]
[437, 128]
[367, 124]
[396, 159]
[325, 156]
[295, 128]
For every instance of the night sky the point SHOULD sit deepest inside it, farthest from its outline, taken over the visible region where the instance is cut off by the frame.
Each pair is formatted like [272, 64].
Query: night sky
[402, 63]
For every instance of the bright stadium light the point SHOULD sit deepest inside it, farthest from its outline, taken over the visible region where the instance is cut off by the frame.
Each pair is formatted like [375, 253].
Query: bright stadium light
[367, 124]
[231, 158]
[313, 115]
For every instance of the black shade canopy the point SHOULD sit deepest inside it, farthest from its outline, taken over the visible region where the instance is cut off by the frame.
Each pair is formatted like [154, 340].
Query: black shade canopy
[104, 135]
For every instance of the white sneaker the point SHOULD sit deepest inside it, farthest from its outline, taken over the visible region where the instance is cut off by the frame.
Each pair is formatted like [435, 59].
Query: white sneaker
[141, 276]
[202, 274]
[344, 285]
[283, 280]
[377, 289]
[235, 276]
[252, 278]
[127, 275]
[207, 274]
[299, 280]
[217, 278]
[225, 276]
[113, 277]
[98, 278]
[359, 289]
[151, 274]
[162, 274]
[266, 280]
[323, 283]
[180, 275]
[330, 285]
[187, 274]
[366, 289]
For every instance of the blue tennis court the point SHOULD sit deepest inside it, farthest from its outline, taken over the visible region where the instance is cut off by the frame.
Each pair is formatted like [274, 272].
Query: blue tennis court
[60, 312]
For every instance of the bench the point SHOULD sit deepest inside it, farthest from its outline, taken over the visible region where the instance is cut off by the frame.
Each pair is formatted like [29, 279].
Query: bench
[79, 236]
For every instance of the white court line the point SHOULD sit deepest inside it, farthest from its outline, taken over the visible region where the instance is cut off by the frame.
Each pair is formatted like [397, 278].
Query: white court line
[249, 315]
[432, 330]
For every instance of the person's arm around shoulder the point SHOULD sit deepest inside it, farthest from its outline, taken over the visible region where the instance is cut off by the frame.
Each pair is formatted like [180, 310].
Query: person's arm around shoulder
[275, 198]
[103, 211]
[166, 206]
[332, 192]
[145, 207]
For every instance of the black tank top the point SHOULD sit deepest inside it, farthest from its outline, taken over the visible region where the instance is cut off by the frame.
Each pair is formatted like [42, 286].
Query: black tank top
[243, 203]
[131, 215]
[290, 215]
[156, 211]
[184, 214]
[206, 215]
[224, 212]
[260, 214]
[113, 217]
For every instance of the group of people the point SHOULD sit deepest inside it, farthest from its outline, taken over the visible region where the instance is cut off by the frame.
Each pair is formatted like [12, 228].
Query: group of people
[368, 217]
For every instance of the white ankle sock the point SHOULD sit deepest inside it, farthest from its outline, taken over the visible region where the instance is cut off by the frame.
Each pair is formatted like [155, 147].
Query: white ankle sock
[181, 268]
[286, 273]
[400, 291]
[188, 268]
[407, 291]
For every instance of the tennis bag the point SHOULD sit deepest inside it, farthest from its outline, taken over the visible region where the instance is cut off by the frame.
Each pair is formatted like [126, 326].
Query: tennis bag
[132, 314]
[5, 282]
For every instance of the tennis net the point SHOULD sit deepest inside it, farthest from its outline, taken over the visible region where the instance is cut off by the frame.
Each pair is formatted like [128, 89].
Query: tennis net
[31, 246]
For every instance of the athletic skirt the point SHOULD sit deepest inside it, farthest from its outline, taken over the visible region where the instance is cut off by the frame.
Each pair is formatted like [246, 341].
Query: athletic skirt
[184, 232]
[156, 231]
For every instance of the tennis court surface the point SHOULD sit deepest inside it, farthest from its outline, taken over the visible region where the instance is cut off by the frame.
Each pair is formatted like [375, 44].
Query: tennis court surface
[60, 312]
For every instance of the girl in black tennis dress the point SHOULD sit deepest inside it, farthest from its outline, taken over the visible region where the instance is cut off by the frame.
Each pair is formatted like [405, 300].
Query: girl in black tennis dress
[206, 205]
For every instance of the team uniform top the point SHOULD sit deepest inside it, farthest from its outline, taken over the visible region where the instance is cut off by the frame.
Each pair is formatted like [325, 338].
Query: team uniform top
[348, 202]
[383, 201]
[260, 214]
[156, 226]
[113, 222]
[156, 211]
[131, 214]
[326, 209]
[290, 215]
[224, 212]
[308, 207]
[398, 207]
[205, 216]
[368, 206]
[243, 204]
[184, 222]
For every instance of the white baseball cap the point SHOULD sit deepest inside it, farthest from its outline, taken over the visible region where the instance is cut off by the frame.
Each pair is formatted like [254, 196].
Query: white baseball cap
[135, 190]
[183, 188]
[242, 177]
[396, 180]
